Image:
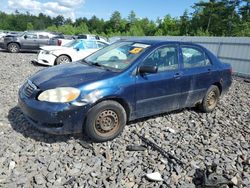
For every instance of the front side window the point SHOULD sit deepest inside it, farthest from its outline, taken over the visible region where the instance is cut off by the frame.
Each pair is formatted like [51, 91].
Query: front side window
[31, 36]
[101, 44]
[165, 58]
[90, 44]
[117, 56]
[193, 57]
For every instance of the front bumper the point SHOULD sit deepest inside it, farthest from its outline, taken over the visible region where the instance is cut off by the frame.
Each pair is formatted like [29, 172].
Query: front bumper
[45, 59]
[53, 118]
[1, 45]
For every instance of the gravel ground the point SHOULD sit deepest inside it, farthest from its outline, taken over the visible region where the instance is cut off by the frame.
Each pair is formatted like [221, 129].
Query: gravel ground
[29, 158]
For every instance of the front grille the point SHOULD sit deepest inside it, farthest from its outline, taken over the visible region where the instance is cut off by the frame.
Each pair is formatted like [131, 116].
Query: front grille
[29, 88]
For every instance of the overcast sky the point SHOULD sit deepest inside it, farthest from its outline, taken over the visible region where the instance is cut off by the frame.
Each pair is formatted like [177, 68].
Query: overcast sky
[101, 8]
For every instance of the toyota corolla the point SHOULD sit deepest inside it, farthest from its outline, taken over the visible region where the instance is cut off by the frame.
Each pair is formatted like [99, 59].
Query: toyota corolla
[122, 82]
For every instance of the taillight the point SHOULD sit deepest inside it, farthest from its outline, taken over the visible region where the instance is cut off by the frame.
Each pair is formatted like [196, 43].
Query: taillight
[59, 42]
[231, 70]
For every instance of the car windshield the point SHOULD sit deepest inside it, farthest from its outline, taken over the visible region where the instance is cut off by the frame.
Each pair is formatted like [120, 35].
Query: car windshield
[21, 34]
[117, 56]
[71, 43]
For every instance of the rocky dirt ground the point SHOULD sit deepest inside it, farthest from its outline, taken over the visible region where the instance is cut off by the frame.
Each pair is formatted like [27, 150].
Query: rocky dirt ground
[29, 158]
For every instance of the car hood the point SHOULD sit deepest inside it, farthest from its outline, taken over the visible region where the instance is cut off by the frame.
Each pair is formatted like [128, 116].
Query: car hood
[69, 75]
[52, 48]
[11, 35]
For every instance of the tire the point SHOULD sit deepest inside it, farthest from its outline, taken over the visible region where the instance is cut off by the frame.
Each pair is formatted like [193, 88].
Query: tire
[105, 121]
[62, 59]
[211, 99]
[13, 47]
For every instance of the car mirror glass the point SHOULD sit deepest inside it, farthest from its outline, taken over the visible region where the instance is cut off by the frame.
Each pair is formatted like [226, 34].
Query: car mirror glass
[25, 37]
[148, 69]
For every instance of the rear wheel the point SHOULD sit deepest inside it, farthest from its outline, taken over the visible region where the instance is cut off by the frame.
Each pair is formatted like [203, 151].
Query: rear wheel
[211, 99]
[105, 121]
[62, 59]
[13, 47]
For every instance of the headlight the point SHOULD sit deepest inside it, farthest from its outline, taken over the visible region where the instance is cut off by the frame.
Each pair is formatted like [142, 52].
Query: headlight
[60, 95]
[47, 52]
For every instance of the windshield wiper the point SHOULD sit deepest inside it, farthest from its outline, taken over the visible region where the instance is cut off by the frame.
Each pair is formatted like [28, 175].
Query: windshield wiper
[84, 61]
[96, 64]
[100, 65]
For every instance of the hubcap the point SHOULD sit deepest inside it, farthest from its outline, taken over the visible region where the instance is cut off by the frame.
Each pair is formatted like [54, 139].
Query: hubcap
[64, 60]
[107, 123]
[211, 99]
[13, 48]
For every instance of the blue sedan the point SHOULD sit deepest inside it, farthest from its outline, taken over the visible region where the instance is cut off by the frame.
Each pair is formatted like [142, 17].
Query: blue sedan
[122, 82]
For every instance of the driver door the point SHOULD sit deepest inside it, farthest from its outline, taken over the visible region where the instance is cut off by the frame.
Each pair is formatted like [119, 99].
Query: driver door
[159, 92]
[30, 41]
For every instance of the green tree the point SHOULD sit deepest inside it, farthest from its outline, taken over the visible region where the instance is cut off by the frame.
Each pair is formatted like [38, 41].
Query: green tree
[132, 17]
[136, 30]
[169, 26]
[208, 18]
[184, 23]
[148, 27]
[66, 29]
[59, 20]
[29, 26]
[82, 28]
[52, 28]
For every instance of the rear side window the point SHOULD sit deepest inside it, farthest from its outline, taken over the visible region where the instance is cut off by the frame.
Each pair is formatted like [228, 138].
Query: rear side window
[43, 36]
[165, 58]
[193, 57]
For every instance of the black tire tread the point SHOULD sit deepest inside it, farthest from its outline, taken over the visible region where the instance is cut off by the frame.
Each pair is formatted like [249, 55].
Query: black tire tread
[203, 106]
[88, 127]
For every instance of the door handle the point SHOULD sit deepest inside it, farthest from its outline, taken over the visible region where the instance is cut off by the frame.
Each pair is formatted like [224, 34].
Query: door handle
[209, 70]
[177, 75]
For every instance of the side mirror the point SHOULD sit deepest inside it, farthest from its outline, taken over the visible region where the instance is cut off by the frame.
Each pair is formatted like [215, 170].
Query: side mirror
[148, 69]
[25, 37]
[77, 49]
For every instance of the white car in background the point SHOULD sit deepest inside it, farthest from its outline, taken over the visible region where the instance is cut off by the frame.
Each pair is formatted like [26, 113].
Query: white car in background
[72, 51]
[62, 41]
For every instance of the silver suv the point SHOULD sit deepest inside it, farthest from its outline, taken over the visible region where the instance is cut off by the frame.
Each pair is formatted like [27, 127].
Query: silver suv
[28, 40]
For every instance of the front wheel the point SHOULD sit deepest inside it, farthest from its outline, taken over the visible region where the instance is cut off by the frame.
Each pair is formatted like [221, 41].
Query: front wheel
[13, 48]
[211, 99]
[62, 59]
[105, 121]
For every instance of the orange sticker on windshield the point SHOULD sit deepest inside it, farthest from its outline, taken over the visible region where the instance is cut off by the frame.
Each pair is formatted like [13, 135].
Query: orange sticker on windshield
[136, 50]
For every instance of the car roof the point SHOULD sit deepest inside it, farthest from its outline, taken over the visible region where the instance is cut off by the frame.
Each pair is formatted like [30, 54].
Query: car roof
[160, 42]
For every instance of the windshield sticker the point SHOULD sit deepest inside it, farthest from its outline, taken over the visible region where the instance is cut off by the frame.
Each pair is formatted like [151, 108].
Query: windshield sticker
[139, 45]
[136, 50]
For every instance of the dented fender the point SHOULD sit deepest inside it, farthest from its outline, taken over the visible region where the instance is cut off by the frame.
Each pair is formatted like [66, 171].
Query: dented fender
[96, 95]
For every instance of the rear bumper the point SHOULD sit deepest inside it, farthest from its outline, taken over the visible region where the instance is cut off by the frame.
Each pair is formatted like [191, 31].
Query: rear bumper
[226, 85]
[53, 118]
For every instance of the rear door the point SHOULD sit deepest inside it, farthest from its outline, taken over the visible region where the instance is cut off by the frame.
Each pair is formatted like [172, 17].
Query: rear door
[159, 92]
[43, 39]
[196, 75]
